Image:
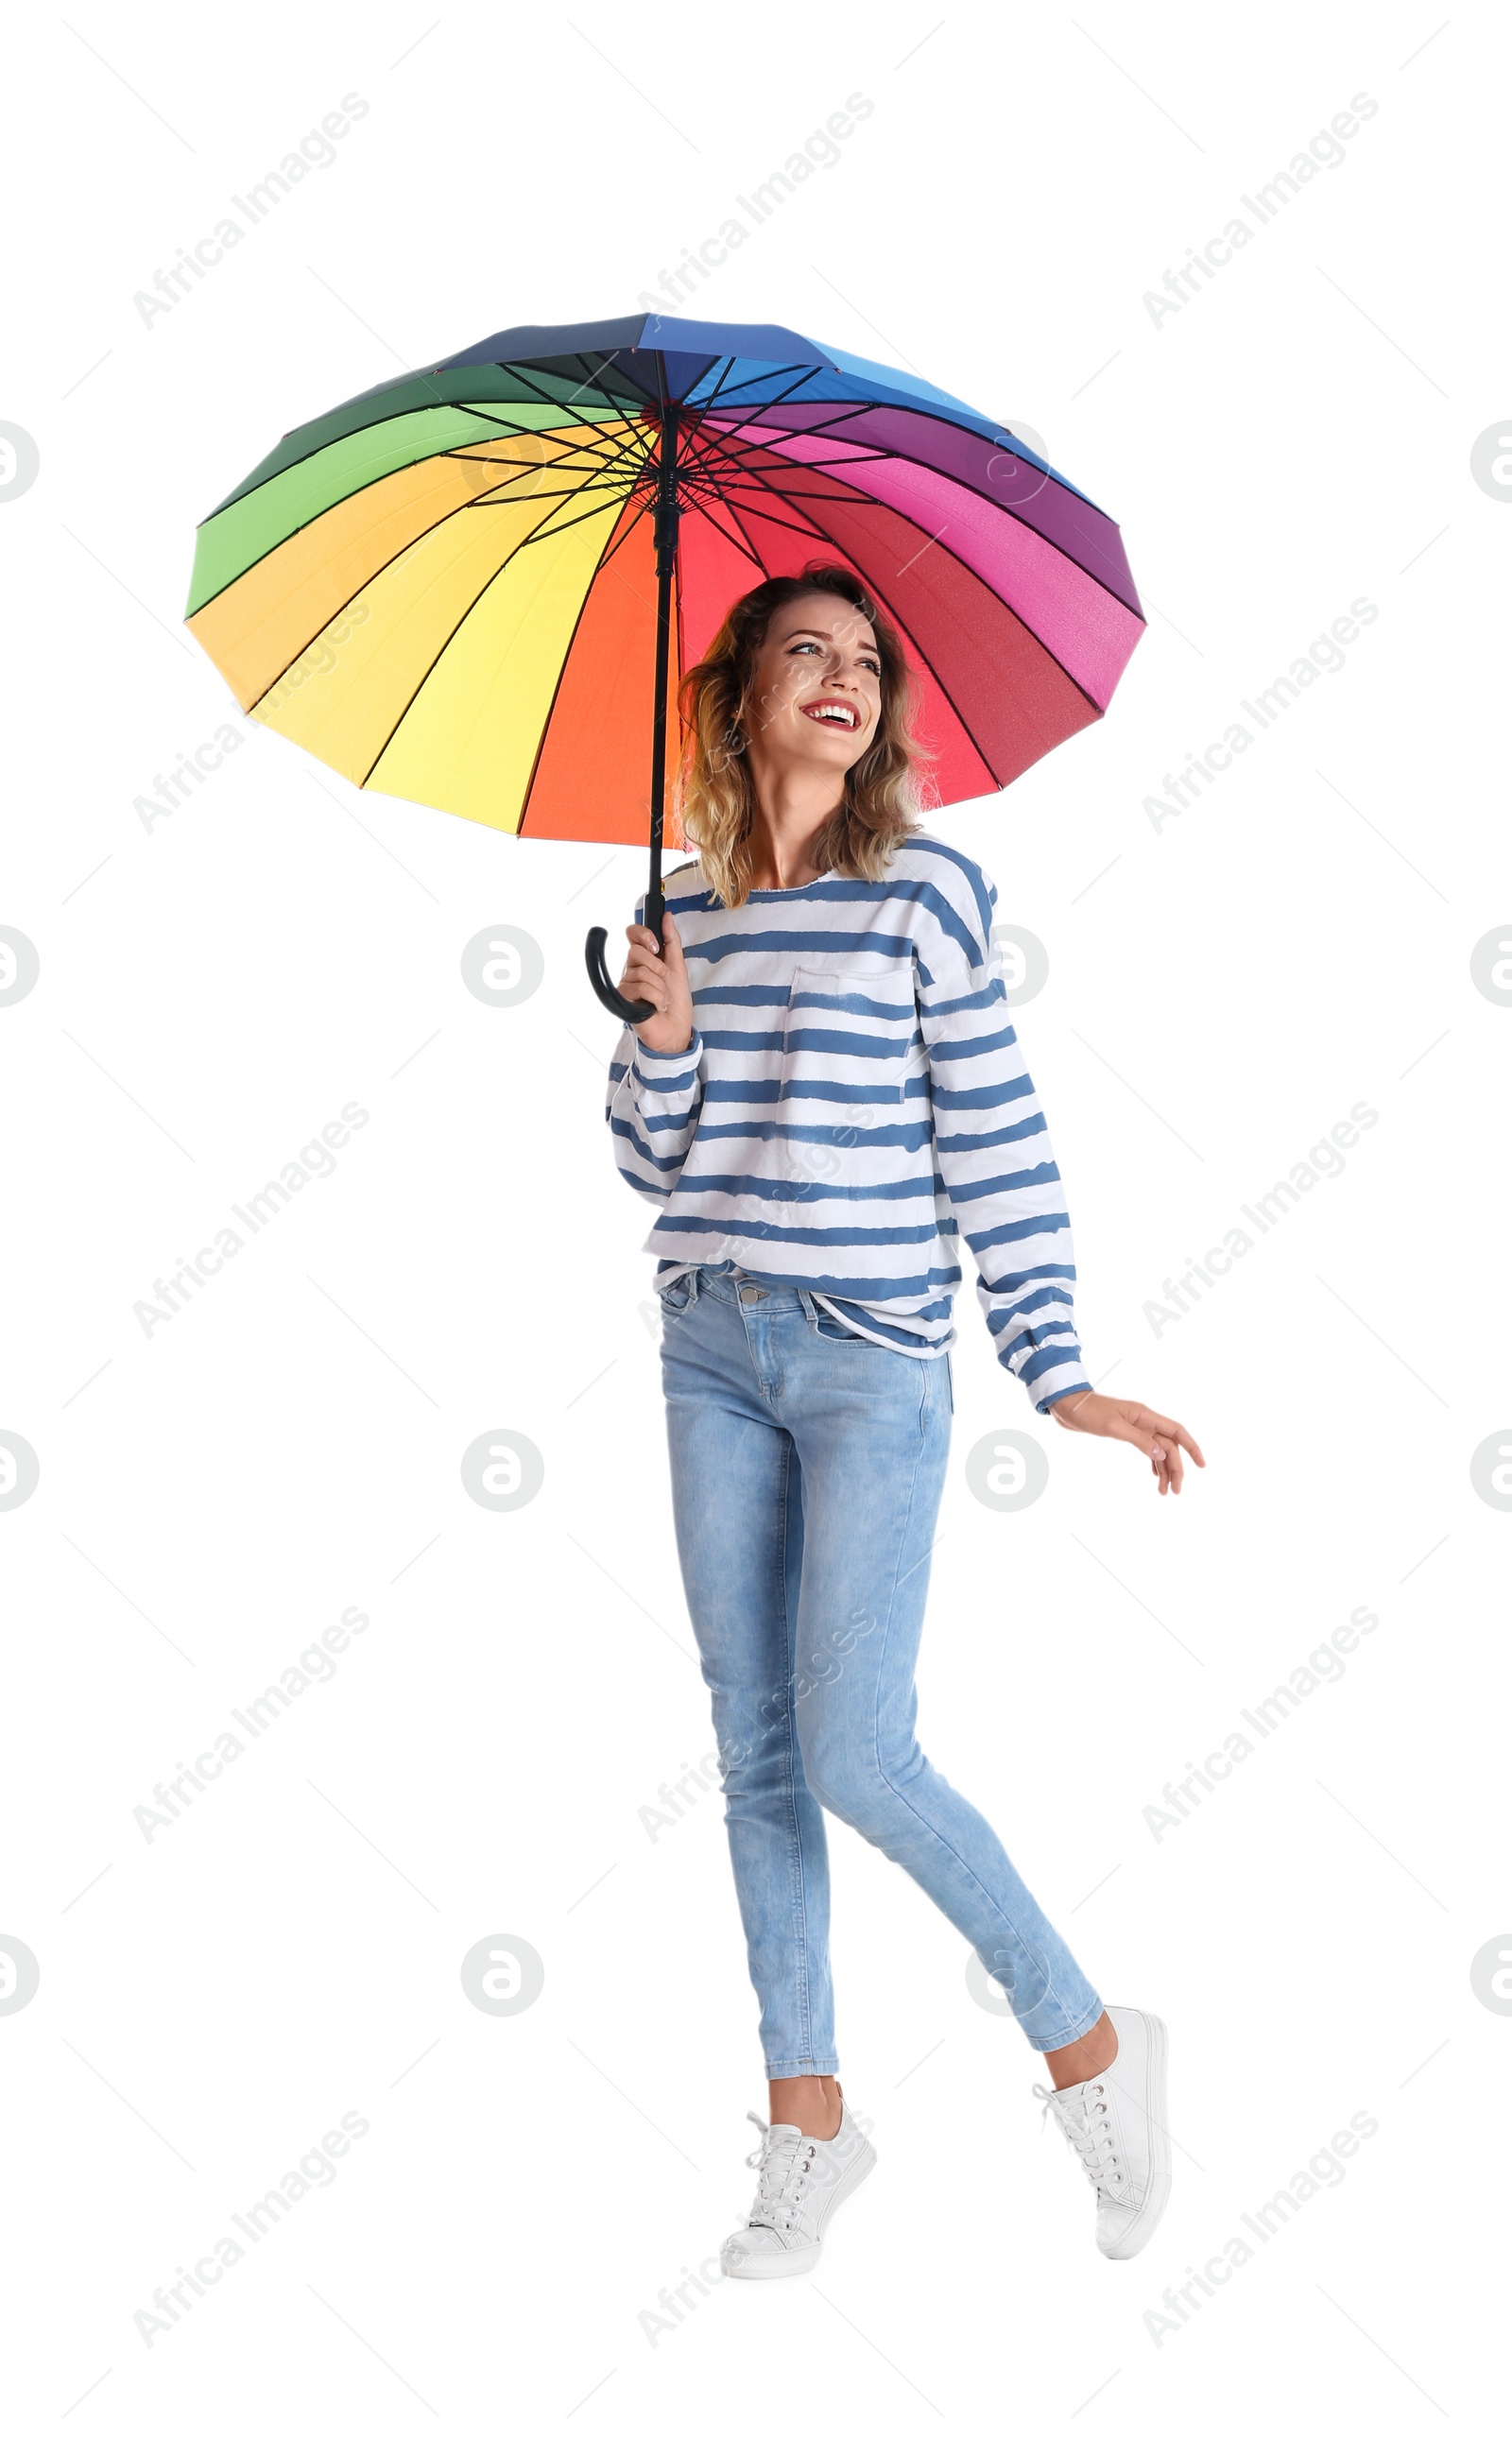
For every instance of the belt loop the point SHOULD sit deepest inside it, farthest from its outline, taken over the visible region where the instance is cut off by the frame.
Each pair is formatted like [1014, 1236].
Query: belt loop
[810, 1307]
[694, 1283]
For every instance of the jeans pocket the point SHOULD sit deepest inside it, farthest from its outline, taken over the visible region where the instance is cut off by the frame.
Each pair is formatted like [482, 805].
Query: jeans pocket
[825, 1325]
[675, 1299]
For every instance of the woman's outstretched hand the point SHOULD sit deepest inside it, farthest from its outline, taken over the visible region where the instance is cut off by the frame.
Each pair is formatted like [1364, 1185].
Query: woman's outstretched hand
[1122, 1418]
[664, 982]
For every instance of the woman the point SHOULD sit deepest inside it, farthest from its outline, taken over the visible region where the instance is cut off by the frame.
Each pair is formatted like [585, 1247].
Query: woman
[828, 1097]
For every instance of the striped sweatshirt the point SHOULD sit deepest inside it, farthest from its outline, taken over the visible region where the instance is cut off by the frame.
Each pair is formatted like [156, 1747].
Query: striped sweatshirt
[852, 1105]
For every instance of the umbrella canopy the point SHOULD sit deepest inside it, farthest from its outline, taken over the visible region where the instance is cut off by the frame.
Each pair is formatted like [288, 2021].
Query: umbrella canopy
[446, 588]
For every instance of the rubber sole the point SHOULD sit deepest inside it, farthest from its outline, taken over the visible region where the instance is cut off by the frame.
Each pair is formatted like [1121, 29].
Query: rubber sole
[775, 2262]
[1157, 2193]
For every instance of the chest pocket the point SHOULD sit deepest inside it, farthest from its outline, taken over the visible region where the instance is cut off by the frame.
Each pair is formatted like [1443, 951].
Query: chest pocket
[849, 1047]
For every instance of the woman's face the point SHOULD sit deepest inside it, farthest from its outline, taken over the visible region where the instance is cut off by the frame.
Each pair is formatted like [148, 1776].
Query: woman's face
[815, 697]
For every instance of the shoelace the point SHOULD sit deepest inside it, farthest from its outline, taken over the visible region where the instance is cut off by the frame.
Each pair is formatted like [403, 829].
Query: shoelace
[1085, 2123]
[782, 2160]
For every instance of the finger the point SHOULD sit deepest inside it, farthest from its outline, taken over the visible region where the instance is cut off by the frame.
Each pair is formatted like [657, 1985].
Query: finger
[1161, 1453]
[637, 982]
[1130, 1426]
[1176, 1432]
[637, 988]
[640, 936]
[672, 946]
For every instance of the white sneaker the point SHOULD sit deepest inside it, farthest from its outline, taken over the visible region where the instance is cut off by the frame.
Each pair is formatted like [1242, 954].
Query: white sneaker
[801, 2183]
[1116, 2123]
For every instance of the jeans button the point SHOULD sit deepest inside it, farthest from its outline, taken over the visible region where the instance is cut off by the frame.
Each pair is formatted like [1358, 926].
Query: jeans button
[750, 1295]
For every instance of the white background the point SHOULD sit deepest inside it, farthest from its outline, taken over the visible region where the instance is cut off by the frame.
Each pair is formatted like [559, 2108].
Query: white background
[1223, 989]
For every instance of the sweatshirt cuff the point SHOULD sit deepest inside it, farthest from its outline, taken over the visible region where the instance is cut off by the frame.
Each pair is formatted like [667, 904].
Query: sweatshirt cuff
[668, 1071]
[1072, 1389]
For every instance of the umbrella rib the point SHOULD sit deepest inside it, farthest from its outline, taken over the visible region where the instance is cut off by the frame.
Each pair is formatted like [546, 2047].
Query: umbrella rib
[610, 449]
[627, 444]
[400, 414]
[1003, 507]
[342, 607]
[731, 448]
[902, 403]
[789, 498]
[520, 368]
[435, 660]
[313, 519]
[700, 412]
[460, 509]
[802, 373]
[744, 542]
[749, 470]
[706, 412]
[522, 430]
[863, 452]
[644, 508]
[612, 544]
[549, 527]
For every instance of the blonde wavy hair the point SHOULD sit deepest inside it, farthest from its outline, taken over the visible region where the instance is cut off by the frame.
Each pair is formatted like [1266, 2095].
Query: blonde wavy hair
[715, 797]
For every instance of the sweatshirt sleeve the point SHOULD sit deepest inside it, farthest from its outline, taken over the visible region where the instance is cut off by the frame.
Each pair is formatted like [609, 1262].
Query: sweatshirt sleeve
[653, 1106]
[993, 1148]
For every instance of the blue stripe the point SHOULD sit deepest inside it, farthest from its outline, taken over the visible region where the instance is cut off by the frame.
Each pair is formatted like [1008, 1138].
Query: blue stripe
[1046, 1174]
[666, 1084]
[970, 1005]
[842, 1045]
[838, 1138]
[1013, 1231]
[797, 944]
[944, 1051]
[1013, 1281]
[812, 1087]
[999, 1135]
[765, 1231]
[783, 1189]
[1039, 1303]
[985, 1096]
[628, 1133]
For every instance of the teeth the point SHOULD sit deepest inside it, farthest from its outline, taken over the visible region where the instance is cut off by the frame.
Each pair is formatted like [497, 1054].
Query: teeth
[834, 711]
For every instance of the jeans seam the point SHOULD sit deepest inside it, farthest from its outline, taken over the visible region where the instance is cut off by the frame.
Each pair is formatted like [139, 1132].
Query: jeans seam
[896, 1792]
[792, 1758]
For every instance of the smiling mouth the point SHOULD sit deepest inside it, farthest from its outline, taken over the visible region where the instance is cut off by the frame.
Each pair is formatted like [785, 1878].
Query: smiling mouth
[832, 715]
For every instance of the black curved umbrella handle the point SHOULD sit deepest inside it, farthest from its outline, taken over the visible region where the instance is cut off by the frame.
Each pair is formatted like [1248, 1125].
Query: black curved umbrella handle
[630, 1011]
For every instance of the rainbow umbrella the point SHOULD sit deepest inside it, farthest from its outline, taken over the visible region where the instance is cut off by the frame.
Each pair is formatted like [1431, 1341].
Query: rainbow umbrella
[477, 586]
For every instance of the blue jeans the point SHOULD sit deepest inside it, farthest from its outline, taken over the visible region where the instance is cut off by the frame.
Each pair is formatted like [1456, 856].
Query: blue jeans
[807, 1466]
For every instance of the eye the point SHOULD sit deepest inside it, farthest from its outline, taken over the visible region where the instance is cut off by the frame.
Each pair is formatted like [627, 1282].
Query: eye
[804, 644]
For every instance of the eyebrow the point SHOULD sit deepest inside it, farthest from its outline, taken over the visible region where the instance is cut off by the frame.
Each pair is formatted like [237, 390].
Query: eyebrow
[825, 636]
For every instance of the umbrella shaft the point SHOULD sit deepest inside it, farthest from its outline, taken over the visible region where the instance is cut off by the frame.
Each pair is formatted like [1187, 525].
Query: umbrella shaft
[666, 542]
